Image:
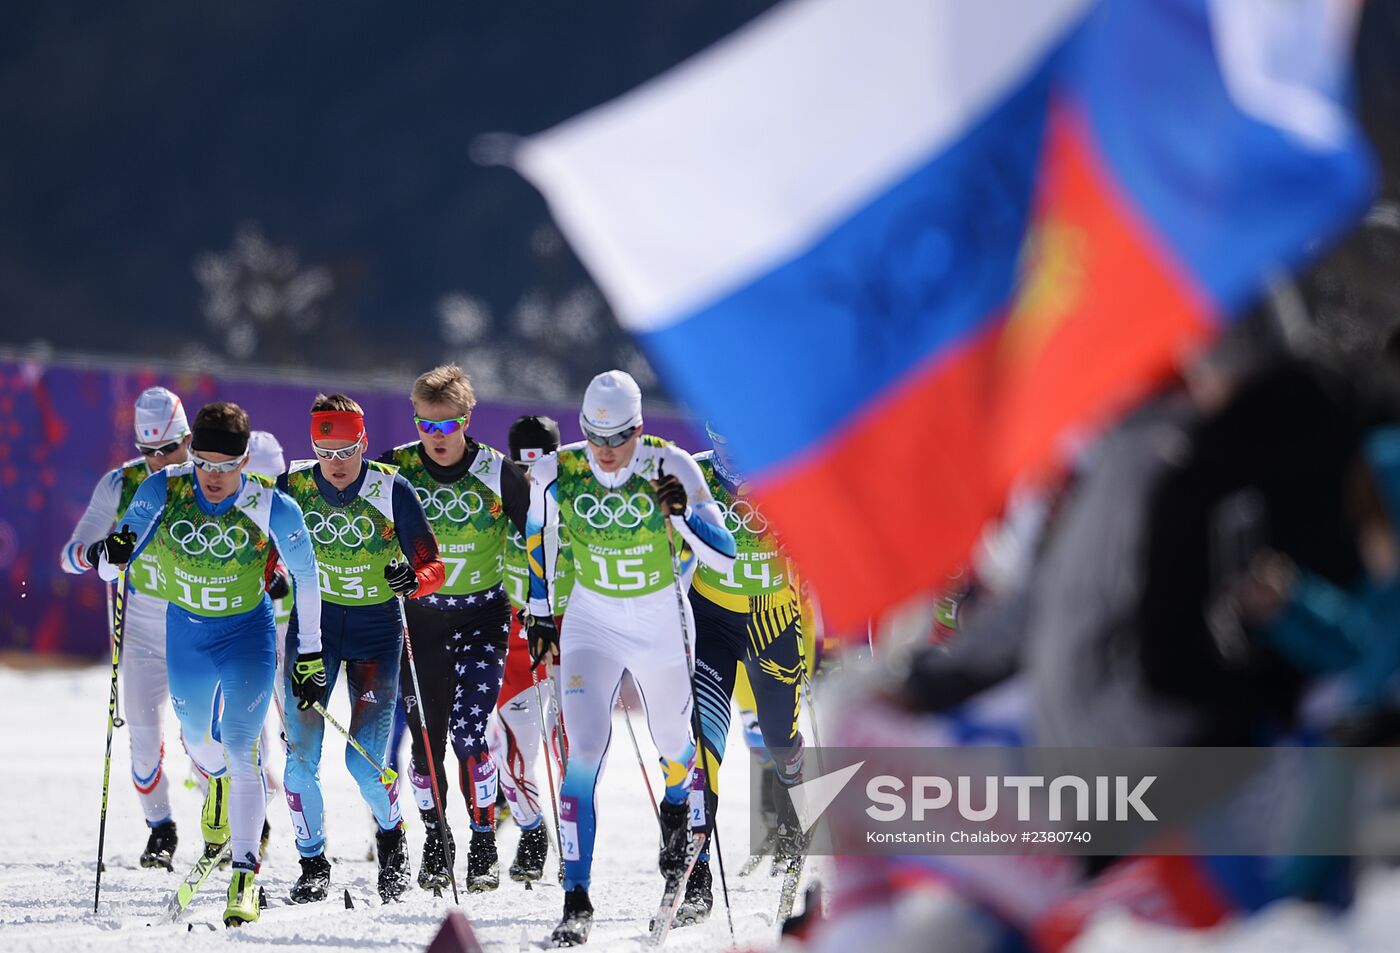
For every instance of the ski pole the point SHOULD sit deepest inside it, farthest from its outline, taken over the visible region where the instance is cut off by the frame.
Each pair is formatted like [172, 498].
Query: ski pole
[627, 717]
[548, 762]
[561, 731]
[119, 721]
[118, 628]
[387, 776]
[700, 748]
[812, 710]
[428, 747]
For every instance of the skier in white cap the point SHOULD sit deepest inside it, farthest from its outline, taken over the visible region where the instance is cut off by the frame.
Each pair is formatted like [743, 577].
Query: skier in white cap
[163, 438]
[619, 495]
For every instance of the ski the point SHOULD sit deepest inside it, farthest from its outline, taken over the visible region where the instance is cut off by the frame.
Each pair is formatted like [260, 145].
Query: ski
[199, 873]
[756, 858]
[674, 893]
[787, 894]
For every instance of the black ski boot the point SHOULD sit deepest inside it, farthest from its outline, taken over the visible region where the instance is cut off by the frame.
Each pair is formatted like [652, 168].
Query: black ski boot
[315, 880]
[699, 896]
[483, 869]
[674, 835]
[578, 920]
[530, 855]
[160, 847]
[394, 873]
[439, 852]
[789, 841]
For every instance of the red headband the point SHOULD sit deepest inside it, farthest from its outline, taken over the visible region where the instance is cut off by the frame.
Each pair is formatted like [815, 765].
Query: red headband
[337, 425]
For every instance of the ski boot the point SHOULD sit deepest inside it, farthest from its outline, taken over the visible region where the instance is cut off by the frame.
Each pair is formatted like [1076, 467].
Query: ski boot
[160, 846]
[439, 851]
[243, 906]
[214, 818]
[394, 873]
[530, 855]
[699, 896]
[483, 869]
[789, 840]
[674, 835]
[315, 880]
[578, 920]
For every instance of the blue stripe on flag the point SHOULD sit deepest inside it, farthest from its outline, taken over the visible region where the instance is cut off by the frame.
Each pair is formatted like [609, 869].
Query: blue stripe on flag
[915, 271]
[1228, 193]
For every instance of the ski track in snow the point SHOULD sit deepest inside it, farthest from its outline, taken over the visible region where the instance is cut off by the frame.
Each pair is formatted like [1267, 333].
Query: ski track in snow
[51, 742]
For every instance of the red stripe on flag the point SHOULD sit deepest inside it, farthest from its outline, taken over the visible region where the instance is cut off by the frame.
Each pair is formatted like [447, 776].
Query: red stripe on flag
[895, 500]
[886, 509]
[1104, 312]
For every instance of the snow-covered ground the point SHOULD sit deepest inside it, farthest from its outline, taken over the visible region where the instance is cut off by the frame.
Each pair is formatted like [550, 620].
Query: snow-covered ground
[52, 731]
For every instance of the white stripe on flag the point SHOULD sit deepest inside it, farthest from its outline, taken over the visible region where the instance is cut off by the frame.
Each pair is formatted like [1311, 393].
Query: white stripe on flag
[688, 187]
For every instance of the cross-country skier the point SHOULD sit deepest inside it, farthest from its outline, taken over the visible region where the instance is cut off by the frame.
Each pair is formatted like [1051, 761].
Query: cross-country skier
[749, 616]
[530, 438]
[211, 529]
[360, 515]
[615, 495]
[471, 496]
[163, 439]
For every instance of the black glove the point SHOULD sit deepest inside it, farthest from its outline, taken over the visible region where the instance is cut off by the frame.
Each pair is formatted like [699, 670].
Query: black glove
[670, 492]
[308, 679]
[277, 586]
[543, 637]
[117, 546]
[401, 577]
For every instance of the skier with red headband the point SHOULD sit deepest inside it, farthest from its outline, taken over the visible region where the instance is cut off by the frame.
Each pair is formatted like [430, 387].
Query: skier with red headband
[359, 514]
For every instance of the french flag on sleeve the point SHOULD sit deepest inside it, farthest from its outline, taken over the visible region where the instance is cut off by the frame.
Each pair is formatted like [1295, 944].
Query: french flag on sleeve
[895, 249]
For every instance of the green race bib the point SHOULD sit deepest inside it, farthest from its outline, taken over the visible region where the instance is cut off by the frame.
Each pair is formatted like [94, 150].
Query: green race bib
[467, 518]
[353, 543]
[760, 568]
[213, 565]
[618, 535]
[144, 574]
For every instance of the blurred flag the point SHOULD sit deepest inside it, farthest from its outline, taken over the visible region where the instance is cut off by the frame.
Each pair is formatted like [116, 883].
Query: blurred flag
[817, 229]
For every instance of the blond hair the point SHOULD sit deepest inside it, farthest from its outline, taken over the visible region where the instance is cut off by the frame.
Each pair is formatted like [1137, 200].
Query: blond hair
[446, 384]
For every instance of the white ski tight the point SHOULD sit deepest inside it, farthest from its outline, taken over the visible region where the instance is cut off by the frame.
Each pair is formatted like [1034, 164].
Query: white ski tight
[144, 697]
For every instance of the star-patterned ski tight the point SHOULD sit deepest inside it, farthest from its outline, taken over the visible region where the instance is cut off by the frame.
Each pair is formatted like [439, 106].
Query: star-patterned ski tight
[459, 646]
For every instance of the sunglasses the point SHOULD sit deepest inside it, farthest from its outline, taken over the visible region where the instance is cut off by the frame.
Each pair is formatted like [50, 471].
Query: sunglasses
[612, 440]
[450, 425]
[209, 466]
[344, 453]
[163, 450]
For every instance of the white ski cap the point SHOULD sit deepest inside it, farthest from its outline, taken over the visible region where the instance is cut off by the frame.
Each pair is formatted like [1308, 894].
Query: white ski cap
[159, 418]
[265, 454]
[612, 403]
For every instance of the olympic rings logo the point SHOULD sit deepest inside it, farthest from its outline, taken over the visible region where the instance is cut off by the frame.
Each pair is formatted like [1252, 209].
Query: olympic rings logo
[614, 509]
[449, 503]
[215, 539]
[743, 515]
[339, 528]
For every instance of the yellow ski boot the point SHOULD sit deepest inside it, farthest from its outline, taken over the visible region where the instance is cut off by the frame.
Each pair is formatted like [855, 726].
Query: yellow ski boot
[214, 819]
[243, 901]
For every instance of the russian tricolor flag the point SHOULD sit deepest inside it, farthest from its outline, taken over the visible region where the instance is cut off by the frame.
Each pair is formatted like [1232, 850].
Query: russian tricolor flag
[895, 249]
